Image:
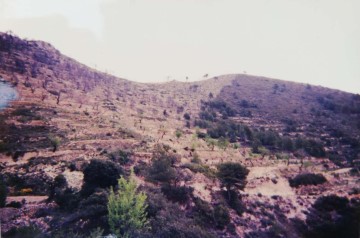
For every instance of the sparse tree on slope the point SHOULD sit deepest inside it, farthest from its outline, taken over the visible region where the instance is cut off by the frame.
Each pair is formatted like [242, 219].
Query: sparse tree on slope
[232, 175]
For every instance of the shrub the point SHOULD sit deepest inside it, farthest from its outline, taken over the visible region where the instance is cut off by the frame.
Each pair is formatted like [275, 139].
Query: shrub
[23, 232]
[93, 210]
[3, 193]
[14, 204]
[127, 210]
[187, 116]
[100, 173]
[180, 194]
[235, 203]
[140, 169]
[354, 191]
[55, 142]
[204, 214]
[208, 116]
[168, 220]
[232, 175]
[196, 158]
[201, 123]
[256, 144]
[221, 216]
[122, 157]
[201, 168]
[58, 184]
[307, 179]
[161, 169]
[314, 148]
[223, 143]
[60, 181]
[66, 198]
[333, 216]
[178, 134]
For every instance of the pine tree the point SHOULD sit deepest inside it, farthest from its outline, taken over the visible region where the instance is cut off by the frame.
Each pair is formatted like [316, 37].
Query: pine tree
[127, 209]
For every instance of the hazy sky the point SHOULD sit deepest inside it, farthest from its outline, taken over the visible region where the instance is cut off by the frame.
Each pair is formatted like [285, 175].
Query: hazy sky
[311, 41]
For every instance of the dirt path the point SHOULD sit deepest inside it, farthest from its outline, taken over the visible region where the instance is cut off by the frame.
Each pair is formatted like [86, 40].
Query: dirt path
[268, 181]
[28, 199]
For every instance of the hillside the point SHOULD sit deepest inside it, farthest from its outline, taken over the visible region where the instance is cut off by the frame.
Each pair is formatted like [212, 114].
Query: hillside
[74, 130]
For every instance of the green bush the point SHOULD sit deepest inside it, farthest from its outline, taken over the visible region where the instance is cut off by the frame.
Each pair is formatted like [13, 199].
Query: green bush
[207, 216]
[221, 216]
[307, 179]
[161, 168]
[93, 210]
[201, 168]
[234, 202]
[140, 169]
[187, 116]
[122, 157]
[66, 198]
[100, 174]
[180, 194]
[232, 175]
[178, 133]
[204, 214]
[332, 217]
[126, 208]
[166, 219]
[55, 142]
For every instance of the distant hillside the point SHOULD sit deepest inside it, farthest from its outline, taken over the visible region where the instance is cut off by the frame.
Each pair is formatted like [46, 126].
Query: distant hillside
[294, 110]
[328, 117]
[230, 156]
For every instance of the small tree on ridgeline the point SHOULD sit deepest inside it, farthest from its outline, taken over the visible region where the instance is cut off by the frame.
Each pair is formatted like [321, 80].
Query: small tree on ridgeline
[127, 208]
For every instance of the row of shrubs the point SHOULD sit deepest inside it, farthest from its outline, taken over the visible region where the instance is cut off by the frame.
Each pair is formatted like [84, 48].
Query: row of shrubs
[235, 132]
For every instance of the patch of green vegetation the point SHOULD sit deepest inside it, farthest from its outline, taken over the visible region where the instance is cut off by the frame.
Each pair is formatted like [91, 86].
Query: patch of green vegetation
[122, 157]
[162, 169]
[201, 168]
[55, 142]
[208, 216]
[180, 194]
[307, 179]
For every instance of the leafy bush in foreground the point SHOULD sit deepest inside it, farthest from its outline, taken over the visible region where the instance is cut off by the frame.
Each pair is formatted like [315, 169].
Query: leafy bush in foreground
[126, 208]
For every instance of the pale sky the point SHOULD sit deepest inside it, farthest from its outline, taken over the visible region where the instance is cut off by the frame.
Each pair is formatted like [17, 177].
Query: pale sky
[310, 41]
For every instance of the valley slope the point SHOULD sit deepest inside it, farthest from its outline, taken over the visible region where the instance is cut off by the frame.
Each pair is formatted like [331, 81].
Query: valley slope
[67, 115]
